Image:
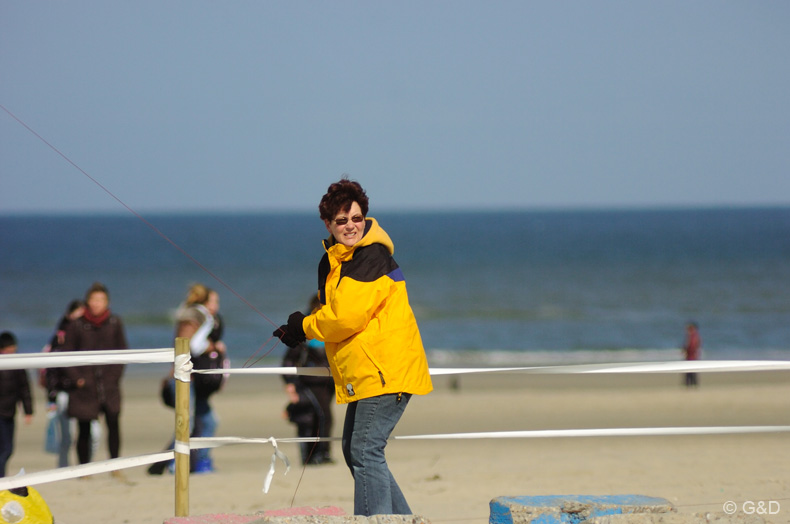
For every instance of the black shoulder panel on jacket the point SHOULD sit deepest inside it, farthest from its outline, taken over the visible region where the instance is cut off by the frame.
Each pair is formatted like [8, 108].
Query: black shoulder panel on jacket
[323, 273]
[369, 264]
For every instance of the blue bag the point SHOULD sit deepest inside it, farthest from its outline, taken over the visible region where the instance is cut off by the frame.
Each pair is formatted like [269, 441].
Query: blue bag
[52, 440]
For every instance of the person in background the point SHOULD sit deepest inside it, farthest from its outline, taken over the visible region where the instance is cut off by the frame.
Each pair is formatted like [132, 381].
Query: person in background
[372, 341]
[310, 398]
[212, 304]
[204, 386]
[216, 337]
[197, 319]
[692, 350]
[53, 380]
[95, 389]
[14, 389]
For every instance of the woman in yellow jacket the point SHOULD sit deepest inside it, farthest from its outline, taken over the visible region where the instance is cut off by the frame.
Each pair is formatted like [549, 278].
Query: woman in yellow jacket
[372, 341]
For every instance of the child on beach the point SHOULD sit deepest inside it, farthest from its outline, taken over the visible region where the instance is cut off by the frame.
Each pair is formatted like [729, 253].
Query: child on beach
[14, 389]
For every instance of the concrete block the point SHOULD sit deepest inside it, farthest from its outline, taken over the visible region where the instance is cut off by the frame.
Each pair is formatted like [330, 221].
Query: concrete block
[571, 509]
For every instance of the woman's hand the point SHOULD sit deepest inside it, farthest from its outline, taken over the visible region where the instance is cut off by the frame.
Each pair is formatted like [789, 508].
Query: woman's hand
[290, 391]
[292, 334]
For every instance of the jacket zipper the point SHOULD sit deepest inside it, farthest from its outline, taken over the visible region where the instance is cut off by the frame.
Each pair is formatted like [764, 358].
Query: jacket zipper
[381, 376]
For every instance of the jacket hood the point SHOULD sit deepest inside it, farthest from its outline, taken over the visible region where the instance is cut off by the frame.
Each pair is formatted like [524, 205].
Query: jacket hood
[374, 234]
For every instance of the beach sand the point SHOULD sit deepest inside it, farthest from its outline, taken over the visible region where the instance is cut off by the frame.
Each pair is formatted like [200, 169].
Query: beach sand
[454, 480]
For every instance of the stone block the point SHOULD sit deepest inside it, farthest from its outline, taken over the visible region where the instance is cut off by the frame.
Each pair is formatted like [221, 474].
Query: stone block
[571, 509]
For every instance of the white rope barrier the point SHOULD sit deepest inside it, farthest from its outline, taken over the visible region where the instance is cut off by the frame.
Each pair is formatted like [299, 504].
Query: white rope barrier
[681, 366]
[606, 432]
[182, 368]
[310, 372]
[60, 359]
[165, 355]
[72, 472]
[215, 442]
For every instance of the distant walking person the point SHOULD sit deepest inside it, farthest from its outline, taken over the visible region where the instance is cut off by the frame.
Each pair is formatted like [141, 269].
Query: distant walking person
[310, 398]
[212, 356]
[53, 380]
[14, 389]
[95, 389]
[198, 319]
[692, 349]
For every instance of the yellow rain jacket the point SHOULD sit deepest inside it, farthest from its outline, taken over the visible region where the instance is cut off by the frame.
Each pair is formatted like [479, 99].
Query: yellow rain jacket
[365, 320]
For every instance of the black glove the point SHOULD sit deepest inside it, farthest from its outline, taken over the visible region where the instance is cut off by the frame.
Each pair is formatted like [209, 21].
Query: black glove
[292, 333]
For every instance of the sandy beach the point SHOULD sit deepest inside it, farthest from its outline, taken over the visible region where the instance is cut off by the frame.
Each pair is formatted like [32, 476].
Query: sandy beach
[454, 480]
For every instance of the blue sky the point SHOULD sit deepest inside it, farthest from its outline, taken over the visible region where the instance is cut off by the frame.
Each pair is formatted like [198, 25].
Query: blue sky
[258, 106]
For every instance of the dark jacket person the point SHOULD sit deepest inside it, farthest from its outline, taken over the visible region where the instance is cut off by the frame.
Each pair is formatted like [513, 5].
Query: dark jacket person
[95, 389]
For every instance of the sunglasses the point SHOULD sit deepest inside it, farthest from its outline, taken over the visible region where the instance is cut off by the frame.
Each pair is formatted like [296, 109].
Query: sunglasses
[342, 221]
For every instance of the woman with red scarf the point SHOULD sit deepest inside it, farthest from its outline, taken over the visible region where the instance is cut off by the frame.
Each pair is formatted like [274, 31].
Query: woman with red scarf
[95, 389]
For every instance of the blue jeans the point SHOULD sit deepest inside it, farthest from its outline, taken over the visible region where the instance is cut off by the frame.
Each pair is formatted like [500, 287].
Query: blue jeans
[205, 424]
[369, 423]
[202, 423]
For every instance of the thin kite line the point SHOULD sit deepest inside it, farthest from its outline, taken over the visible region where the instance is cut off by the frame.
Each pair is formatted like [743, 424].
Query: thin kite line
[141, 218]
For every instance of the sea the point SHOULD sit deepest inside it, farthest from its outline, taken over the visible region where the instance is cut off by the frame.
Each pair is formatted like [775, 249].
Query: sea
[488, 288]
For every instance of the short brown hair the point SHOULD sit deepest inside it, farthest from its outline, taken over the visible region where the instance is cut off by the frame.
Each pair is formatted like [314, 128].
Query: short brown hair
[339, 197]
[96, 287]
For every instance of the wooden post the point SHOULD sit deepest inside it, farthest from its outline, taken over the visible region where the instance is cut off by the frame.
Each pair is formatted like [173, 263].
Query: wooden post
[182, 436]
